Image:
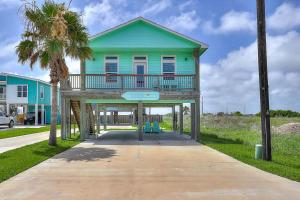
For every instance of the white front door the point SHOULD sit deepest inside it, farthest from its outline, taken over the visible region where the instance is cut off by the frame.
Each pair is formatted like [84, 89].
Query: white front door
[140, 70]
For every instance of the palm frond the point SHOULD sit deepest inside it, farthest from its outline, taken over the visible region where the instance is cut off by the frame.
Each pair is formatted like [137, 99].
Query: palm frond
[25, 50]
[44, 59]
[33, 58]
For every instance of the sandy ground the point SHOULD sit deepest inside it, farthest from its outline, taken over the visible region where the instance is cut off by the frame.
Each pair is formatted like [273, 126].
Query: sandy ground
[162, 167]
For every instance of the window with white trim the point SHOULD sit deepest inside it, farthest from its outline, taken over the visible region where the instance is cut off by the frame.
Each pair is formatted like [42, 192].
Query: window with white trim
[111, 67]
[168, 67]
[42, 92]
[2, 92]
[22, 91]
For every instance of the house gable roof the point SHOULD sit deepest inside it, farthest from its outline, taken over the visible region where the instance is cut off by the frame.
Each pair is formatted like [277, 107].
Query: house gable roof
[24, 77]
[143, 33]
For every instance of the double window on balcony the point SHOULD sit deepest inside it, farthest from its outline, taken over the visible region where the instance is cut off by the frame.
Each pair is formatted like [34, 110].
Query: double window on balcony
[22, 91]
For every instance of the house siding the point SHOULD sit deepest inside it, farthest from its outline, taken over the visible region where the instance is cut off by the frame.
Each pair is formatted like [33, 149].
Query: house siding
[184, 62]
[140, 35]
[33, 96]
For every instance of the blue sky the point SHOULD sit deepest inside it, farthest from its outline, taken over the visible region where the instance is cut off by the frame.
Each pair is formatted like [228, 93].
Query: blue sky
[229, 79]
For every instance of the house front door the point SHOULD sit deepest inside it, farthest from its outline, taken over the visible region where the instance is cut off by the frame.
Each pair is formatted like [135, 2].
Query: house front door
[140, 71]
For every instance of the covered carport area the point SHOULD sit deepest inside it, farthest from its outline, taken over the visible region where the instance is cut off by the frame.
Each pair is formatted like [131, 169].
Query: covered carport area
[100, 107]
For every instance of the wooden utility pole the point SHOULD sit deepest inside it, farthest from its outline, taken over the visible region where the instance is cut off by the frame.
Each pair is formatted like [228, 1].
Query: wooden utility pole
[263, 80]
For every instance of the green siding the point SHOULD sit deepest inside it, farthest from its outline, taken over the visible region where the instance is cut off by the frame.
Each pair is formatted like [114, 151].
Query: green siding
[48, 114]
[32, 89]
[184, 62]
[47, 98]
[2, 78]
[141, 38]
[141, 35]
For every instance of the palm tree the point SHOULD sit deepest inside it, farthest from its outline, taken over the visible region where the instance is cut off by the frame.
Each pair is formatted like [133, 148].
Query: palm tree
[52, 32]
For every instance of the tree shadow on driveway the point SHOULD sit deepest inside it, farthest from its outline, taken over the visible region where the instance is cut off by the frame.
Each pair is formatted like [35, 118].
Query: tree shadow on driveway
[83, 154]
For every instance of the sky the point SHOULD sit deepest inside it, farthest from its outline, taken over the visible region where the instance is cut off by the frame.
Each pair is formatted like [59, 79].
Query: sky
[228, 69]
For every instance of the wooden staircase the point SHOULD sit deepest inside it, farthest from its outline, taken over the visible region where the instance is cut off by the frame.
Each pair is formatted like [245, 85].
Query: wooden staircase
[75, 107]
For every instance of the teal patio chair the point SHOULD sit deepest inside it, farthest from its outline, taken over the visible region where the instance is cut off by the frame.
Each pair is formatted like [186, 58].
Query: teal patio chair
[156, 128]
[147, 128]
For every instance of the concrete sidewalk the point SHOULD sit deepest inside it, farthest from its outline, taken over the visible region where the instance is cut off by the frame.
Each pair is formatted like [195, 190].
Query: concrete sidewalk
[20, 141]
[167, 167]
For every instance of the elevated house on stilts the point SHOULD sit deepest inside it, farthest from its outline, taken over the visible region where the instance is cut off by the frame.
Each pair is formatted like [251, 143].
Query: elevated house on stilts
[135, 65]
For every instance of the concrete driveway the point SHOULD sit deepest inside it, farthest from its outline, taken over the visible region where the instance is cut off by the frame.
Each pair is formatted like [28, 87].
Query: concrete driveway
[164, 167]
[8, 144]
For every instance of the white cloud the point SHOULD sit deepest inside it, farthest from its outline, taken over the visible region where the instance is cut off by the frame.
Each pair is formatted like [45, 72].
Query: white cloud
[73, 65]
[232, 21]
[106, 14]
[156, 7]
[8, 49]
[186, 21]
[102, 14]
[232, 83]
[285, 17]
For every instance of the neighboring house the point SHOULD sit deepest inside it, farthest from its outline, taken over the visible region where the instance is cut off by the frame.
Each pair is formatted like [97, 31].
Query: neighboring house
[135, 65]
[20, 95]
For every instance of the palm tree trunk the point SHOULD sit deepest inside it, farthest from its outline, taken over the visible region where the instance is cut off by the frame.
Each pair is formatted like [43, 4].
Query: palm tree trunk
[52, 136]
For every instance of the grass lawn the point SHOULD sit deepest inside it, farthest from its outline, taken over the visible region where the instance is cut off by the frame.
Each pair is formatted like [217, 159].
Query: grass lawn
[237, 136]
[286, 154]
[23, 131]
[18, 160]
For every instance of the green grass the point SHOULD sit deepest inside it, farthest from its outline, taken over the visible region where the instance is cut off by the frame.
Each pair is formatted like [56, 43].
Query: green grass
[23, 131]
[286, 158]
[237, 136]
[18, 160]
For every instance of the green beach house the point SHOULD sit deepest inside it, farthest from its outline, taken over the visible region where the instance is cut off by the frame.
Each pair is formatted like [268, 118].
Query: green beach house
[135, 65]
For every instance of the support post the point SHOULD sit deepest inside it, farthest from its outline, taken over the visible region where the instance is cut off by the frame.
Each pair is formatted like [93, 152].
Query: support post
[173, 119]
[82, 75]
[197, 119]
[197, 100]
[133, 118]
[68, 118]
[105, 119]
[97, 119]
[193, 135]
[42, 114]
[180, 119]
[36, 117]
[263, 80]
[83, 119]
[63, 118]
[140, 120]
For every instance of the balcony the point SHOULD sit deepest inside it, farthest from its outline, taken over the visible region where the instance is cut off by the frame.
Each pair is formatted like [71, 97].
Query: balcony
[133, 82]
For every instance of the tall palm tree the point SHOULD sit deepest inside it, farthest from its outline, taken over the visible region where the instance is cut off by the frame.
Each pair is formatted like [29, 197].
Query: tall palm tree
[52, 32]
